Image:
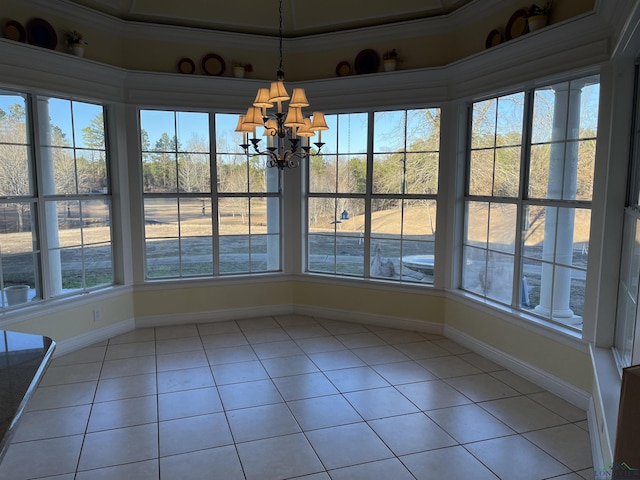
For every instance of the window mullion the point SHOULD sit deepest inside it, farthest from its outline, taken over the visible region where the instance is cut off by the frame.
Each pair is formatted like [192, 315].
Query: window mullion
[525, 156]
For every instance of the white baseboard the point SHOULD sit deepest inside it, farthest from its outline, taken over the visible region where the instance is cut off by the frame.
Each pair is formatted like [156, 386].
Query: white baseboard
[551, 383]
[212, 316]
[370, 319]
[596, 448]
[94, 336]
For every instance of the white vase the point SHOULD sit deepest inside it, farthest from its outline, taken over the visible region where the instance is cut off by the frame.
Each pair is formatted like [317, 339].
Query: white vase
[77, 49]
[238, 72]
[17, 294]
[389, 65]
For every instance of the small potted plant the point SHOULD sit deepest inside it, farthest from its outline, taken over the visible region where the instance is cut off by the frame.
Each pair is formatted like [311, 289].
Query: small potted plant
[76, 43]
[390, 60]
[538, 16]
[240, 69]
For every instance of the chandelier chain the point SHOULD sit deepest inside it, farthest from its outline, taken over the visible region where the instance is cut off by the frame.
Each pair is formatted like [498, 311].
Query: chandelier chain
[281, 67]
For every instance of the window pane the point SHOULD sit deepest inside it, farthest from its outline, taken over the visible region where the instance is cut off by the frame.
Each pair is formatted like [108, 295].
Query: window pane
[417, 261]
[477, 228]
[539, 171]
[234, 254]
[261, 178]
[474, 269]
[388, 173]
[507, 172]
[196, 255]
[227, 139]
[509, 121]
[195, 217]
[88, 126]
[385, 257]
[419, 219]
[352, 174]
[498, 279]
[322, 215]
[389, 131]
[421, 176]
[628, 290]
[386, 217]
[19, 254]
[91, 168]
[586, 167]
[192, 132]
[265, 215]
[533, 231]
[194, 172]
[481, 172]
[543, 108]
[163, 258]
[157, 129]
[232, 173]
[352, 133]
[590, 102]
[484, 124]
[322, 256]
[322, 173]
[502, 227]
[96, 221]
[98, 262]
[13, 125]
[423, 130]
[349, 255]
[161, 217]
[60, 132]
[15, 175]
[233, 216]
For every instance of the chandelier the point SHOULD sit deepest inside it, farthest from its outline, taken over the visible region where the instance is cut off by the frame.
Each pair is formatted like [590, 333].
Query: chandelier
[279, 125]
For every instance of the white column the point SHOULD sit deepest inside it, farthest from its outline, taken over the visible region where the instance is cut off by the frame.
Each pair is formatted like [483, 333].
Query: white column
[555, 286]
[48, 187]
[273, 220]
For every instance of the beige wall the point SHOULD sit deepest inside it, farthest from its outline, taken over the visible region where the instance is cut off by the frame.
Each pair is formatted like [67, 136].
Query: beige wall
[61, 323]
[185, 299]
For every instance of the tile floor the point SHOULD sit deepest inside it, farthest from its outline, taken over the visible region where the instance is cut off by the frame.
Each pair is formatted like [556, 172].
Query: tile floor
[292, 397]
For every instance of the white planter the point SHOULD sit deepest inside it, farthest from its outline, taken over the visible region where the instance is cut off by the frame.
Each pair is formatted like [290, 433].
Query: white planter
[389, 65]
[17, 294]
[77, 49]
[238, 72]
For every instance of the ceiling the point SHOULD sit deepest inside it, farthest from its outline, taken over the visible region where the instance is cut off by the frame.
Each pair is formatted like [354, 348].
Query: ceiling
[300, 17]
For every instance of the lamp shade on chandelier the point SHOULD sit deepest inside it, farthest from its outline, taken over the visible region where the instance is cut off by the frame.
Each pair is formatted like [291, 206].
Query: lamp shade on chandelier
[281, 123]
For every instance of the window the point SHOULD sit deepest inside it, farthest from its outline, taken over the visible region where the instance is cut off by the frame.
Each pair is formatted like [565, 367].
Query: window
[372, 196]
[626, 337]
[194, 228]
[64, 182]
[528, 200]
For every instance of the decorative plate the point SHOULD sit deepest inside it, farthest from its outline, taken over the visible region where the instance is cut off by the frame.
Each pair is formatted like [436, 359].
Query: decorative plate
[517, 24]
[494, 38]
[343, 69]
[41, 33]
[367, 61]
[186, 65]
[14, 31]
[213, 64]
